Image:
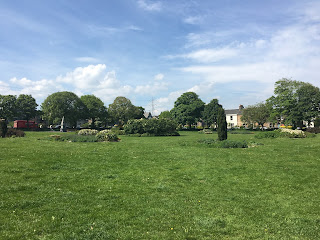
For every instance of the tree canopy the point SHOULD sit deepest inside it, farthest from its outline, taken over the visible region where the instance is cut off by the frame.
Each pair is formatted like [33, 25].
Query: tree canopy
[7, 106]
[95, 108]
[26, 107]
[210, 112]
[165, 115]
[187, 108]
[66, 104]
[258, 113]
[121, 110]
[294, 101]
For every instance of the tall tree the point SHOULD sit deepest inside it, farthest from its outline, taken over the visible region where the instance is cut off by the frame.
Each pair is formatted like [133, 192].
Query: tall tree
[210, 112]
[63, 104]
[258, 113]
[165, 115]
[121, 110]
[294, 101]
[187, 108]
[222, 124]
[95, 108]
[7, 106]
[26, 107]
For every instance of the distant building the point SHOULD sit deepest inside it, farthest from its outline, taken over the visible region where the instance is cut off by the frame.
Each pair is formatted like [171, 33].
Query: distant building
[233, 117]
[147, 115]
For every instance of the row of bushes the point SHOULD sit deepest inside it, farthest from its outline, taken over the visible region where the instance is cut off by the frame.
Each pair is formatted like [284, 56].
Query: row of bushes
[154, 127]
[285, 133]
[224, 144]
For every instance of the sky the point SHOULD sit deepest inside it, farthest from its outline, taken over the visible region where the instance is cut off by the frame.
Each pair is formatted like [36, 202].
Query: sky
[153, 51]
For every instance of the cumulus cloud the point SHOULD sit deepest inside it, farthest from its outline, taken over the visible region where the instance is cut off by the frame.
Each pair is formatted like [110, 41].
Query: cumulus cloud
[149, 5]
[151, 89]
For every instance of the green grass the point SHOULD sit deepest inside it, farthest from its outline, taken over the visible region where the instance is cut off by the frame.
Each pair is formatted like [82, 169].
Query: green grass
[159, 188]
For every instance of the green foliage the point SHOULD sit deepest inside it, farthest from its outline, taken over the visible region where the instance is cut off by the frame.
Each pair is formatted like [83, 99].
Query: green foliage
[206, 131]
[210, 112]
[187, 108]
[284, 133]
[95, 108]
[74, 138]
[63, 104]
[88, 132]
[3, 127]
[121, 110]
[222, 125]
[107, 135]
[26, 107]
[258, 113]
[294, 101]
[165, 115]
[156, 127]
[224, 144]
[7, 106]
[317, 122]
[15, 133]
[313, 130]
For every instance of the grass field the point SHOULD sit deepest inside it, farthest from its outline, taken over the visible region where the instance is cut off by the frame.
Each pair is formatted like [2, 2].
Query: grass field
[159, 188]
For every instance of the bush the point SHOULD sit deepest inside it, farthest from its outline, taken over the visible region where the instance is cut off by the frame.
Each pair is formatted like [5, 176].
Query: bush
[224, 144]
[206, 131]
[155, 127]
[107, 135]
[313, 130]
[73, 138]
[88, 132]
[3, 128]
[283, 132]
[15, 133]
[273, 134]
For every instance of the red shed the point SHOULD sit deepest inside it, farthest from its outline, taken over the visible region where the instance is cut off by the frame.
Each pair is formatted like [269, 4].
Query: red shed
[24, 124]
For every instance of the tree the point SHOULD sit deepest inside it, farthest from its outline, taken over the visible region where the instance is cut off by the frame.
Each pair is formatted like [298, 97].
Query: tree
[222, 124]
[26, 107]
[7, 106]
[63, 104]
[210, 112]
[258, 113]
[121, 110]
[165, 115]
[138, 113]
[95, 108]
[187, 108]
[294, 101]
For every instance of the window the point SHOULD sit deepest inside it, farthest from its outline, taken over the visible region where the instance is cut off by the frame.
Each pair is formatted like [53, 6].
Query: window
[231, 118]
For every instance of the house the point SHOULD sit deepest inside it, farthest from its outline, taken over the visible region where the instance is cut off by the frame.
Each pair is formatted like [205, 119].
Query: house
[147, 115]
[233, 117]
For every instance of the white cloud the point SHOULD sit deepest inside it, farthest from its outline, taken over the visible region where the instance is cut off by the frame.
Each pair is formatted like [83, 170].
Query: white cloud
[149, 5]
[212, 55]
[193, 20]
[84, 77]
[159, 77]
[151, 89]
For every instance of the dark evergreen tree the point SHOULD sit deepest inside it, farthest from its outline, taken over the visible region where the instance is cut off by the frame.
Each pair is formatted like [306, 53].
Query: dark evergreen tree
[222, 124]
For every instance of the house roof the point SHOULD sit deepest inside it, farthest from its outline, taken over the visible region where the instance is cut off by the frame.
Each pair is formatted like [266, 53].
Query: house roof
[233, 111]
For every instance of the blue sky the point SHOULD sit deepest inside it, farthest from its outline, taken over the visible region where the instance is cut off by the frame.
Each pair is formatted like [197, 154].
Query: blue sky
[141, 49]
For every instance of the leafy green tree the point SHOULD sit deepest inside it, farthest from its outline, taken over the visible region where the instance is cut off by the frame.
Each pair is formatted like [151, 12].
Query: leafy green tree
[165, 115]
[210, 112]
[26, 107]
[187, 108]
[95, 108]
[222, 124]
[121, 110]
[66, 104]
[7, 106]
[258, 113]
[294, 101]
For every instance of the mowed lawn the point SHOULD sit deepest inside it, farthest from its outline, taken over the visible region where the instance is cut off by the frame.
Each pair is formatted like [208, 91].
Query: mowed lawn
[159, 188]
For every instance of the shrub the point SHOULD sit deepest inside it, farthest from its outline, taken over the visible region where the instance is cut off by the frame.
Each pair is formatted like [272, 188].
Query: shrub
[3, 128]
[88, 132]
[313, 130]
[273, 134]
[15, 133]
[224, 144]
[206, 131]
[283, 132]
[107, 135]
[156, 127]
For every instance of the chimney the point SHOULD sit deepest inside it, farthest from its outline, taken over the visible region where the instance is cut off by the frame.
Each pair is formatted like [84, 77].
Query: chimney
[241, 107]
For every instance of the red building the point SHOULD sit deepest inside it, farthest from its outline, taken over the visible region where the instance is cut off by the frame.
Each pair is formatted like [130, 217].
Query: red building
[24, 124]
